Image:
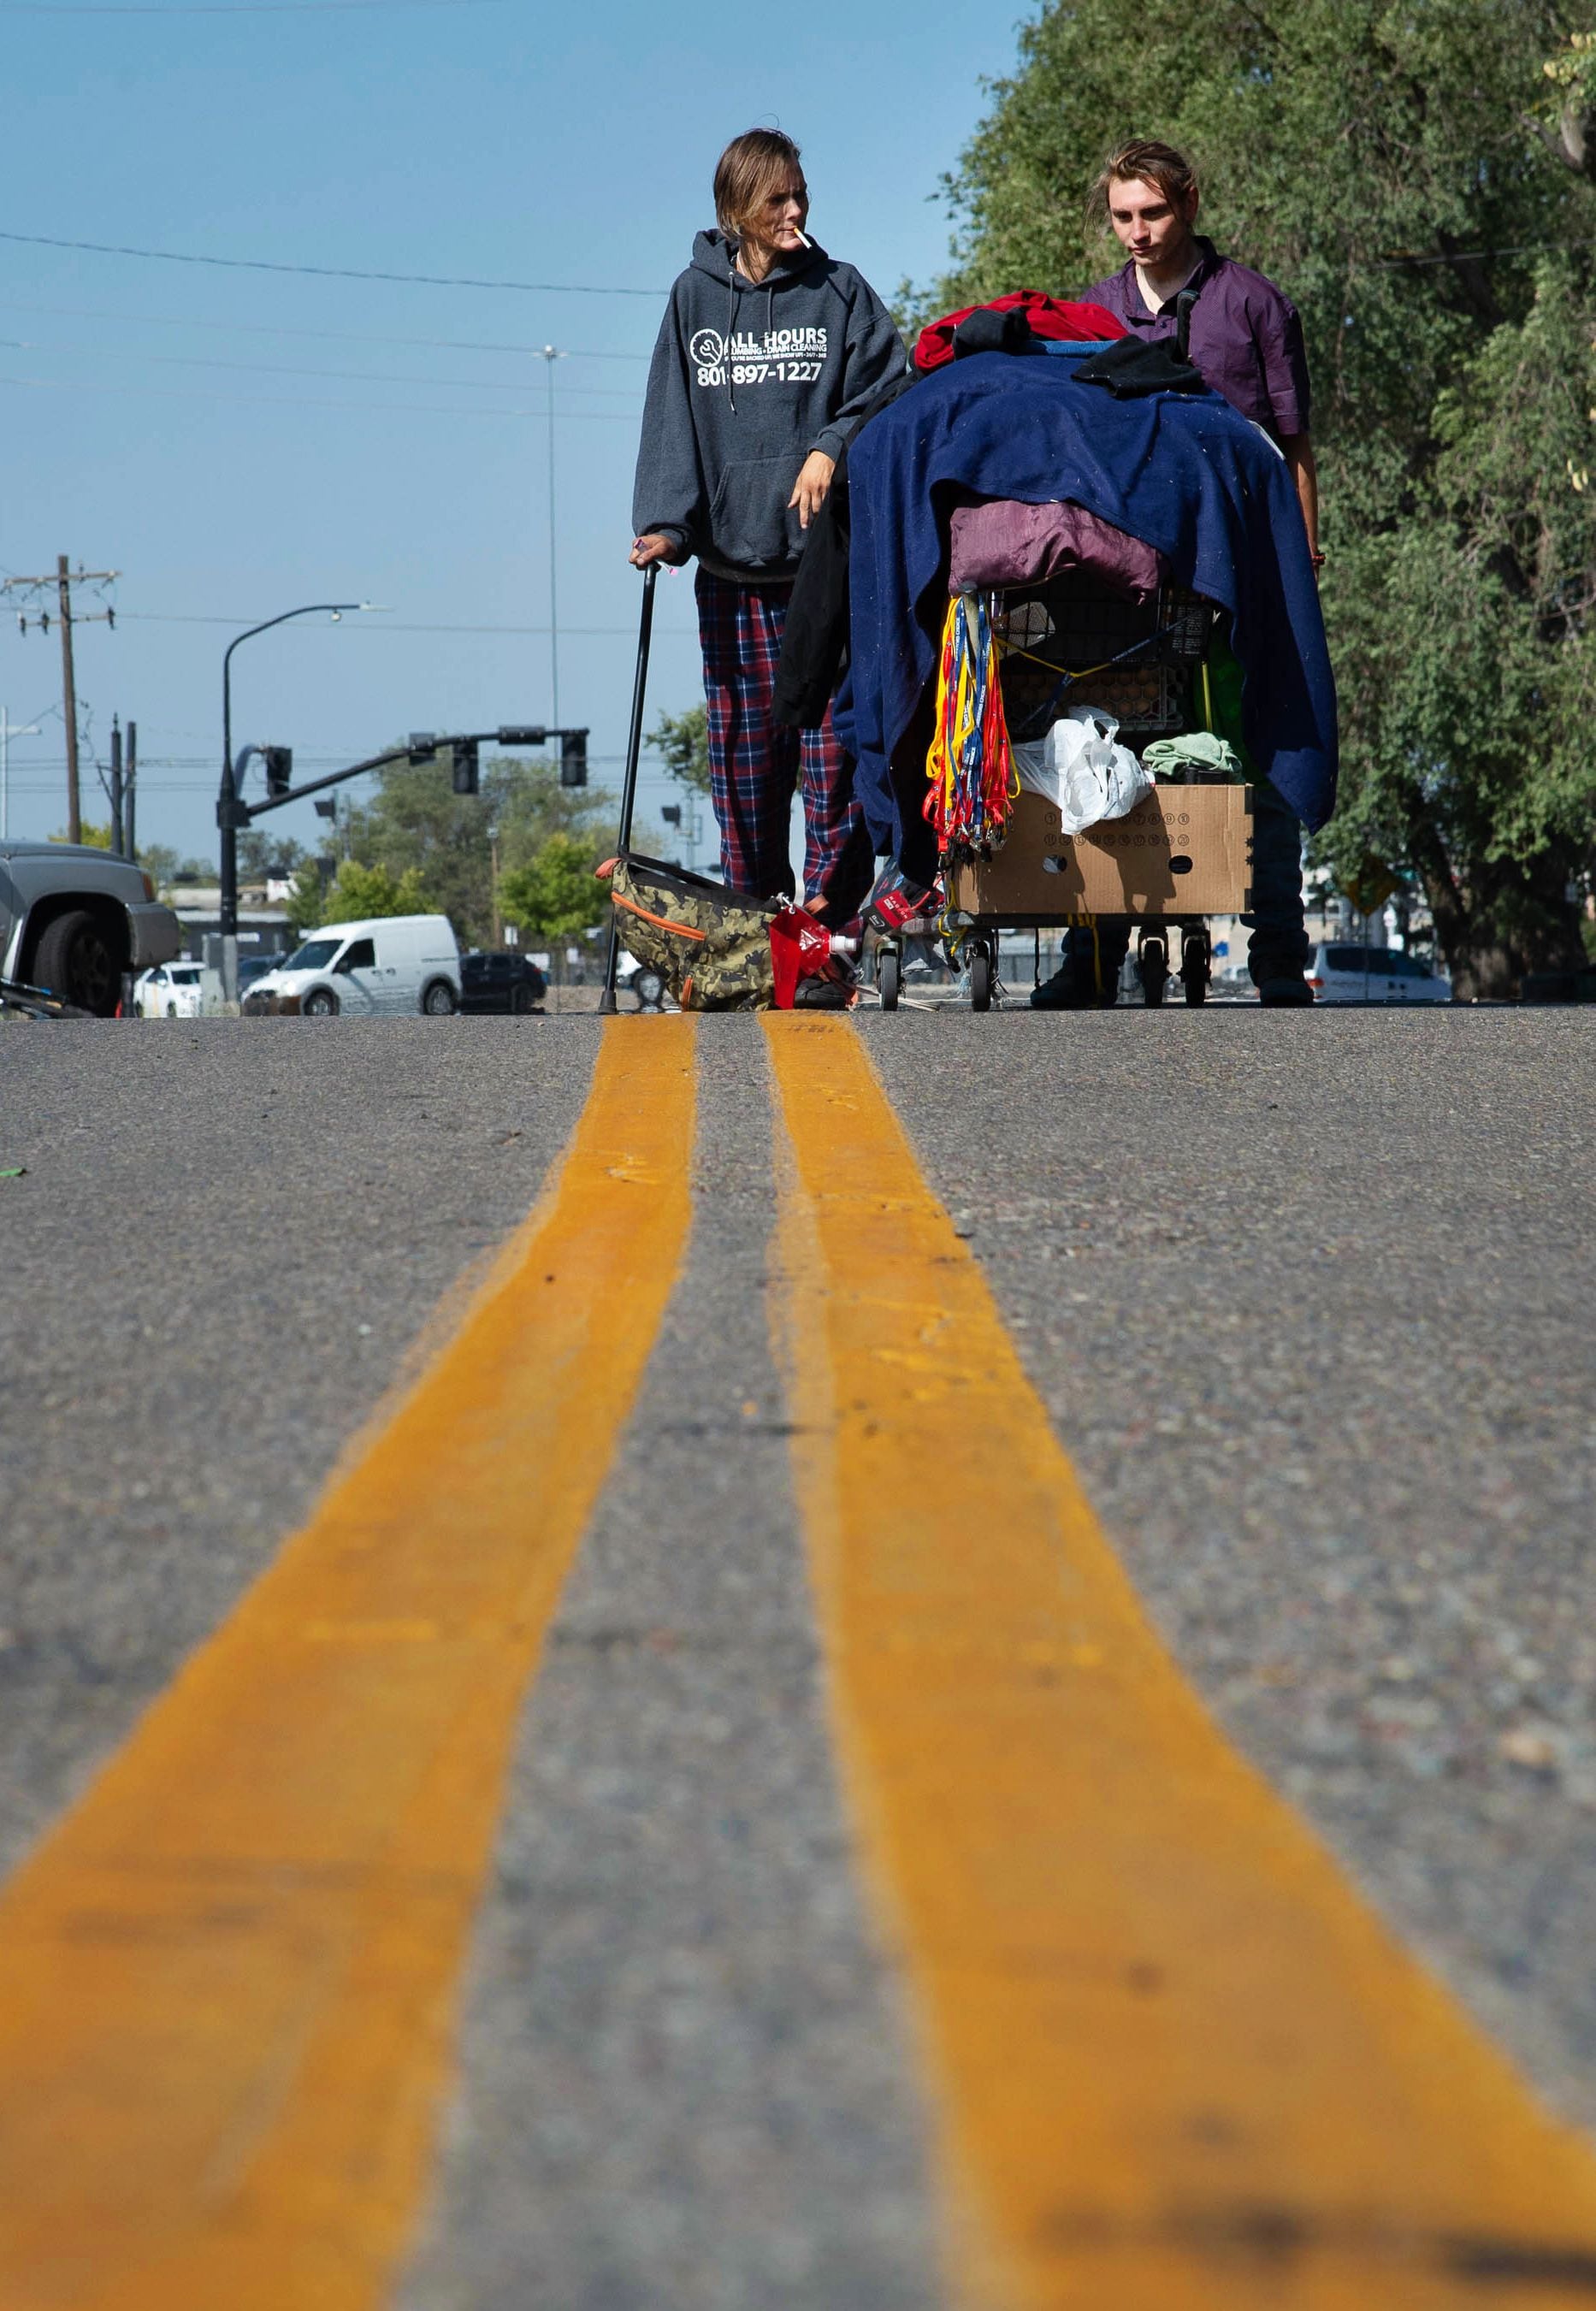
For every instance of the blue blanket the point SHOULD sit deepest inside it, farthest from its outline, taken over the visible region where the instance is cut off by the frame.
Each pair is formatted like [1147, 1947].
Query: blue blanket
[1182, 471]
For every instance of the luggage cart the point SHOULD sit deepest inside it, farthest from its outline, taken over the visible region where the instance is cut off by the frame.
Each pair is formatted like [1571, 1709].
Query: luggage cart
[1072, 642]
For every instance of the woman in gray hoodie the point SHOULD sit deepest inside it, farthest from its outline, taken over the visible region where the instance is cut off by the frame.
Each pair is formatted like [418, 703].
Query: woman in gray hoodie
[768, 349]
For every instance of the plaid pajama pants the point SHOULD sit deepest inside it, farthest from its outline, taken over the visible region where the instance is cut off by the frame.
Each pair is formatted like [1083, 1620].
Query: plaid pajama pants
[755, 767]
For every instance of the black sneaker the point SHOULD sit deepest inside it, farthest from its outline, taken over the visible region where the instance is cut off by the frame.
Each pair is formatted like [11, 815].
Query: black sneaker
[823, 993]
[1284, 993]
[1065, 991]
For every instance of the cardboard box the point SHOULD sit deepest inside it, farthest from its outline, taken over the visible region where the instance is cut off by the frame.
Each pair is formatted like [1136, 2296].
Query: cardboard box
[1182, 850]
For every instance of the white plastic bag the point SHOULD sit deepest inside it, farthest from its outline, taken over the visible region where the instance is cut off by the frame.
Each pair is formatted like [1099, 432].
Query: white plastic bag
[1079, 767]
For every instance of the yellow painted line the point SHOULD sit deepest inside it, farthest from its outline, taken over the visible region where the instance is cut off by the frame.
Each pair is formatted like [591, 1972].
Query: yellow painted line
[227, 1978]
[1181, 2066]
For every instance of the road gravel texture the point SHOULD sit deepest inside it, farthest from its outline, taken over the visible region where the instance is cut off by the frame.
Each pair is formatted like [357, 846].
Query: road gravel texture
[1312, 1299]
[686, 2077]
[228, 1237]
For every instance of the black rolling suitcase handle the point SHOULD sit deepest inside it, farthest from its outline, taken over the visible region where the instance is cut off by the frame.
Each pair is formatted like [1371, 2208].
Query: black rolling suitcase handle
[634, 742]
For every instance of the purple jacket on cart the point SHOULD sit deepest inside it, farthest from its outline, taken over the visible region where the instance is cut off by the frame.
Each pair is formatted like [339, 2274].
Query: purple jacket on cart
[1182, 471]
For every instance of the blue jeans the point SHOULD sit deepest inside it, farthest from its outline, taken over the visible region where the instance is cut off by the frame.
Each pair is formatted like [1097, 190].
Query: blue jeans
[1279, 948]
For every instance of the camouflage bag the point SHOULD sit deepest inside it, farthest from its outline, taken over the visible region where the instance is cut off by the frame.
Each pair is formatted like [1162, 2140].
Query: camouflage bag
[711, 945]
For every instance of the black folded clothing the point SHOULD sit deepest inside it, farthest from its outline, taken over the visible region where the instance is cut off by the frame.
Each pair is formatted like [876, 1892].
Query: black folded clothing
[1132, 366]
[986, 332]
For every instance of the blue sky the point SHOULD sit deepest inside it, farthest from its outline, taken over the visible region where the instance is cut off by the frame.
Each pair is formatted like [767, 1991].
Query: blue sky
[235, 442]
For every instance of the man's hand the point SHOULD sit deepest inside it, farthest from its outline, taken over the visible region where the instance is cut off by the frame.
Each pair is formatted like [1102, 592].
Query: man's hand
[809, 491]
[654, 546]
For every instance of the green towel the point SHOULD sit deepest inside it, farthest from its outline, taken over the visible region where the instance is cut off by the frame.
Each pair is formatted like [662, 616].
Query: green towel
[1197, 749]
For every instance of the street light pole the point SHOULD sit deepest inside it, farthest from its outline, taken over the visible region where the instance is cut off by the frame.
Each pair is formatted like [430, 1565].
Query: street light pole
[551, 354]
[227, 801]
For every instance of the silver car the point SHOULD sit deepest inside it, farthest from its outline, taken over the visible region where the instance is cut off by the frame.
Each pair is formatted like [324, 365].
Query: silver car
[73, 919]
[1373, 974]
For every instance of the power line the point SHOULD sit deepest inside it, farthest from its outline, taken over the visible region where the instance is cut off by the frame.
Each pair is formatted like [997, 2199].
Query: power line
[390, 626]
[217, 8]
[1401, 259]
[348, 376]
[329, 272]
[315, 401]
[330, 336]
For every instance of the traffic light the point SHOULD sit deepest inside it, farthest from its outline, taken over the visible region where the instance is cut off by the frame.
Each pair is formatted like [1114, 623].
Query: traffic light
[573, 758]
[279, 771]
[465, 778]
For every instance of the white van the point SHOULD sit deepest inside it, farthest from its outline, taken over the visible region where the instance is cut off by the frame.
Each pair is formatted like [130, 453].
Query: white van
[391, 964]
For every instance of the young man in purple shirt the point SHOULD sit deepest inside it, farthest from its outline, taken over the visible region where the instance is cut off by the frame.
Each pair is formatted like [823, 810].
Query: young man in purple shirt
[1246, 341]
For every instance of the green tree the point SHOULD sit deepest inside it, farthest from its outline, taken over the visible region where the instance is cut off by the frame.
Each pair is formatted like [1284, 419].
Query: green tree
[305, 905]
[357, 891]
[261, 855]
[1423, 185]
[415, 819]
[682, 742]
[555, 894]
[98, 838]
[164, 865]
[353, 893]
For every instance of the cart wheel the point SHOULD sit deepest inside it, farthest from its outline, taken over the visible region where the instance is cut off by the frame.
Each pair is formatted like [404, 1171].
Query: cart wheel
[1195, 967]
[1153, 964]
[980, 980]
[889, 977]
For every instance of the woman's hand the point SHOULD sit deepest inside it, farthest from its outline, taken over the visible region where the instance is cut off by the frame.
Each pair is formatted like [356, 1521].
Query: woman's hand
[812, 485]
[653, 547]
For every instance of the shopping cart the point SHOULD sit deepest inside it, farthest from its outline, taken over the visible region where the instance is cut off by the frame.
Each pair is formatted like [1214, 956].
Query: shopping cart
[1182, 855]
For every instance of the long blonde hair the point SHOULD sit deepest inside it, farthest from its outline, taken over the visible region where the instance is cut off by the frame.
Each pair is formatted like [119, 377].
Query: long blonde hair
[745, 173]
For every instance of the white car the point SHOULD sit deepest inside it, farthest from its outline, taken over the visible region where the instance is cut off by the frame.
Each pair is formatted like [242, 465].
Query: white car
[387, 963]
[1373, 974]
[172, 991]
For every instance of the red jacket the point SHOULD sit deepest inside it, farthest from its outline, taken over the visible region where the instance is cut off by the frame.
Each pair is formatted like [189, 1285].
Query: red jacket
[1050, 317]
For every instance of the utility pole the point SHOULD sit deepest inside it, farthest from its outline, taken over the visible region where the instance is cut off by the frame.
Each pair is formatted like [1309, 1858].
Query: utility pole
[116, 844]
[75, 821]
[130, 791]
[63, 582]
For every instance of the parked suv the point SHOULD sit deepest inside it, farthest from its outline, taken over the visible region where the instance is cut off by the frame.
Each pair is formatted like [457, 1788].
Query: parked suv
[73, 919]
[500, 981]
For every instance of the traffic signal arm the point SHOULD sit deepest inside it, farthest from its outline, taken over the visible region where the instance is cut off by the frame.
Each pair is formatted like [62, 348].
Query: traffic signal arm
[420, 745]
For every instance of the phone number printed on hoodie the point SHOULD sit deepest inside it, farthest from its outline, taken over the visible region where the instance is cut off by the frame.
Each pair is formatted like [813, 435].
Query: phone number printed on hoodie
[785, 356]
[799, 372]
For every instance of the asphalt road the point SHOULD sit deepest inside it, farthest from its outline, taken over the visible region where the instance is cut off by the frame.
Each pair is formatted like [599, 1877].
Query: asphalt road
[1309, 1298]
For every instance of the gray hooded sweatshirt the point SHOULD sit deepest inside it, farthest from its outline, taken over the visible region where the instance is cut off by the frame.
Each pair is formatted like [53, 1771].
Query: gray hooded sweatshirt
[745, 381]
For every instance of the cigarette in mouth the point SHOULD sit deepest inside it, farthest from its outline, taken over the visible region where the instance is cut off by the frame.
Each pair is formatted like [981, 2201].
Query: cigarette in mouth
[803, 236]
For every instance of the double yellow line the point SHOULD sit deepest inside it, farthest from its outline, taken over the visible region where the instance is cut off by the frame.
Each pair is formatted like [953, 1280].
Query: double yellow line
[1176, 2062]
[227, 1979]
